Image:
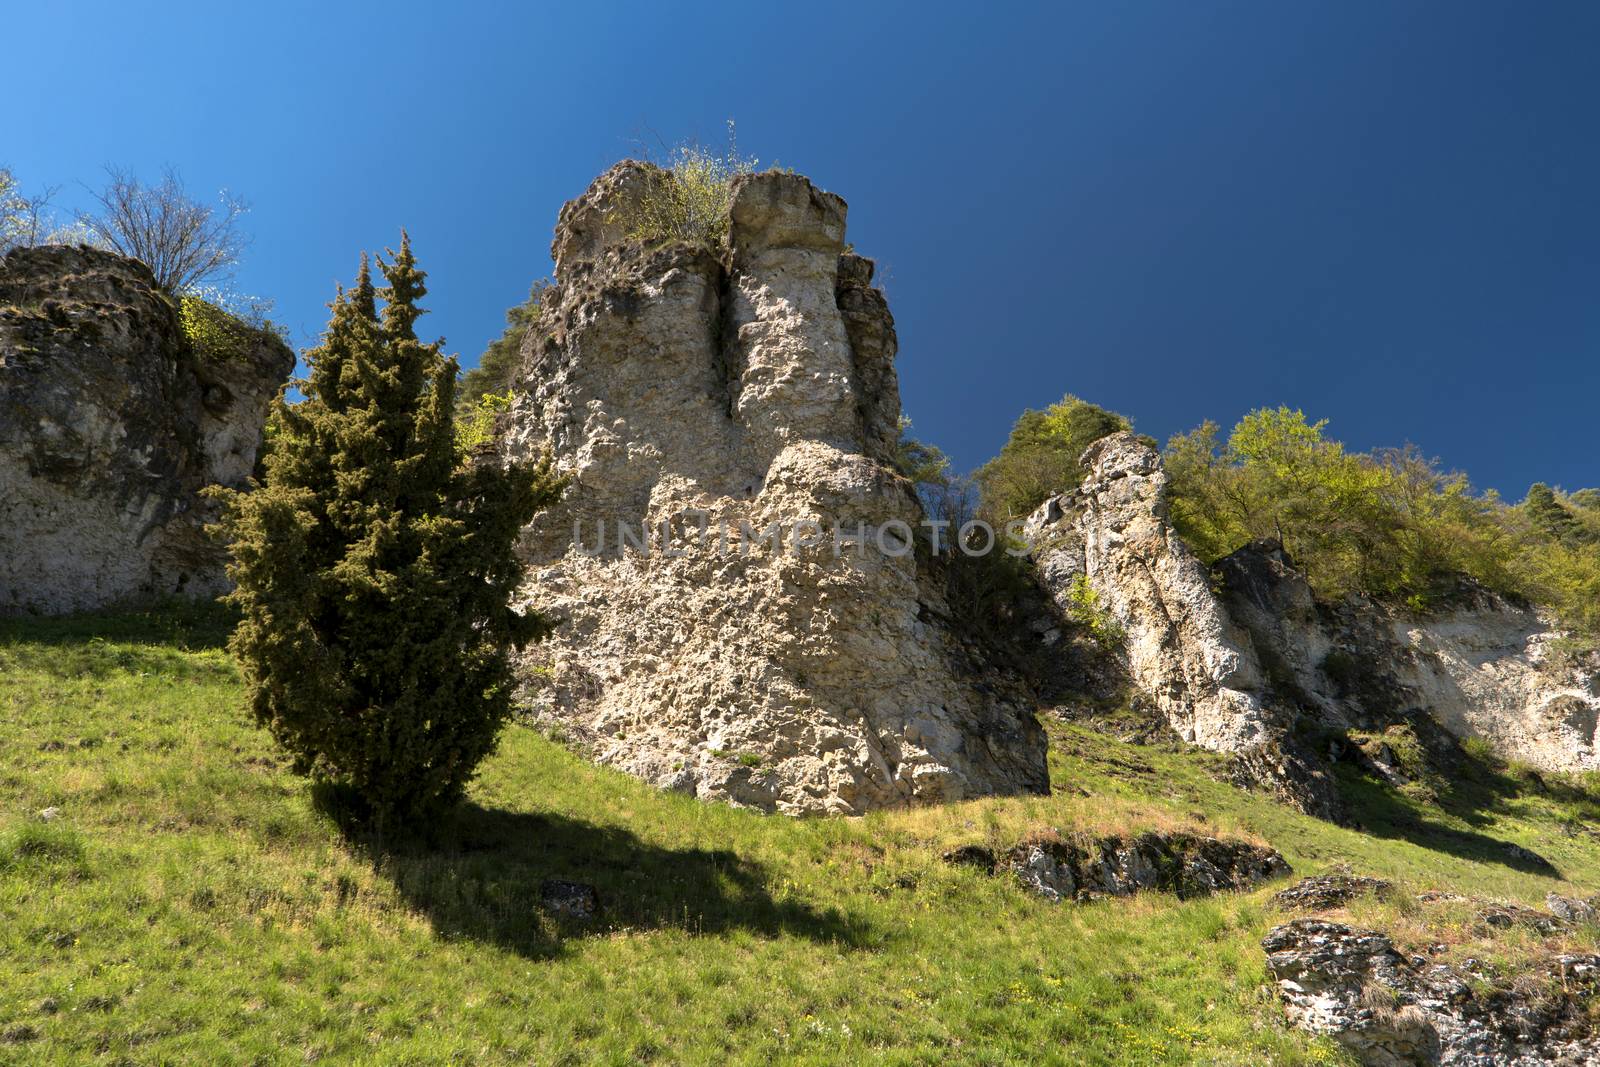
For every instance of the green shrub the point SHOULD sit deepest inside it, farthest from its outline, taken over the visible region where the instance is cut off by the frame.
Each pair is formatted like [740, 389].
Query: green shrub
[1084, 608]
[217, 335]
[923, 463]
[1040, 458]
[691, 200]
[1388, 523]
[374, 569]
[476, 428]
[497, 368]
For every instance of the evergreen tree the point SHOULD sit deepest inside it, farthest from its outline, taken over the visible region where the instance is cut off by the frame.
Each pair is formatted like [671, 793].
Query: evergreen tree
[1551, 516]
[374, 567]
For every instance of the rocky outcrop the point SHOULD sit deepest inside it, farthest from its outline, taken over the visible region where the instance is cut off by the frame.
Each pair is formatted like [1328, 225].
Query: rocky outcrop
[1481, 667]
[745, 618]
[1242, 658]
[1185, 864]
[1392, 1010]
[110, 425]
[1183, 649]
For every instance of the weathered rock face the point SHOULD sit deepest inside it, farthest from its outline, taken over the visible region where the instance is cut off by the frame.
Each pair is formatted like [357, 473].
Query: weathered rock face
[1184, 650]
[777, 644]
[109, 427]
[1394, 1011]
[1241, 656]
[1482, 668]
[1182, 647]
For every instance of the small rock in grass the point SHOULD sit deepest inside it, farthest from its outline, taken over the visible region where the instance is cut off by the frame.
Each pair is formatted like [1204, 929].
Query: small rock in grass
[1570, 909]
[49, 814]
[1329, 891]
[569, 900]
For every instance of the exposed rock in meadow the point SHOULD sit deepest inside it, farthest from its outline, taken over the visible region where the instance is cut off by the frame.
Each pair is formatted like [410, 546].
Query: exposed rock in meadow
[1392, 1010]
[1185, 864]
[778, 644]
[110, 425]
[1329, 891]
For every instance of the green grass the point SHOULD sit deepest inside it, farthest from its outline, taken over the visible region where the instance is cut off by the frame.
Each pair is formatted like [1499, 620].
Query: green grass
[191, 904]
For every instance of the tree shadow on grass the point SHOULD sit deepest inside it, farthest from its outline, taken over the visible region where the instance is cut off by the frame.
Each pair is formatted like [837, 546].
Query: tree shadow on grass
[480, 876]
[1383, 811]
[105, 643]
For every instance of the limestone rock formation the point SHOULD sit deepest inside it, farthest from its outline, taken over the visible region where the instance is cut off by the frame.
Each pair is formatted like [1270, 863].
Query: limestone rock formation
[776, 643]
[1183, 649]
[1483, 667]
[1242, 657]
[1395, 1011]
[109, 427]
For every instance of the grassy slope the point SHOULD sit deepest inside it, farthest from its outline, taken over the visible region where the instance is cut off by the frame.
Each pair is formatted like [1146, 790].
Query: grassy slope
[190, 904]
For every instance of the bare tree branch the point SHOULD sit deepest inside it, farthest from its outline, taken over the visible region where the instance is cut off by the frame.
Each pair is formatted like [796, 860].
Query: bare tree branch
[183, 241]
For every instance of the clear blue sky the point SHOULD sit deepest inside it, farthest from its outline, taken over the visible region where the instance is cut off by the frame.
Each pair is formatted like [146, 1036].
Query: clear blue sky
[1385, 213]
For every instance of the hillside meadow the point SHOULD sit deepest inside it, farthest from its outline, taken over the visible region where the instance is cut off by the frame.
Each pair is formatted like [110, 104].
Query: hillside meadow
[191, 901]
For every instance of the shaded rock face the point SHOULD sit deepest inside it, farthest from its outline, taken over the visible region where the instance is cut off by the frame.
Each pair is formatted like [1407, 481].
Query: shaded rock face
[1242, 658]
[713, 397]
[1184, 864]
[109, 428]
[1480, 668]
[1390, 1011]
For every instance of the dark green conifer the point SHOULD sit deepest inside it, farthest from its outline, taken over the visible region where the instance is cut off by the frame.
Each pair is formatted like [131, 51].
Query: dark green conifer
[375, 567]
[1551, 516]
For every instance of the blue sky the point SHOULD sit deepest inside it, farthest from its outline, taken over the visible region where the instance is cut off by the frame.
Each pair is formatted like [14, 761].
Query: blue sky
[1387, 214]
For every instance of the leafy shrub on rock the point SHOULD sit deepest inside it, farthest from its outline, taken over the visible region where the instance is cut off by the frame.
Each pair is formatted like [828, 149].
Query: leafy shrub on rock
[692, 196]
[375, 568]
[1040, 458]
[217, 334]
